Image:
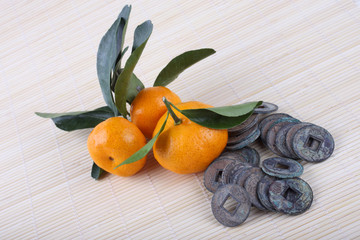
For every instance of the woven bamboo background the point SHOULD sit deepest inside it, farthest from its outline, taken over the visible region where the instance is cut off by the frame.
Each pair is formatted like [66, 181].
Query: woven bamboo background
[303, 55]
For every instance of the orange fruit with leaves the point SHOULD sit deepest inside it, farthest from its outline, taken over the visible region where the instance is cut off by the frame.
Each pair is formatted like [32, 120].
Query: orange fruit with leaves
[113, 141]
[148, 107]
[187, 147]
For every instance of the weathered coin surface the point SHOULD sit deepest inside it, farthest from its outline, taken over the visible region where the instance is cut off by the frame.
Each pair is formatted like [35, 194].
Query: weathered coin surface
[250, 186]
[291, 196]
[227, 172]
[241, 175]
[265, 123]
[248, 140]
[246, 125]
[273, 130]
[237, 170]
[251, 155]
[280, 141]
[265, 108]
[313, 143]
[282, 167]
[263, 191]
[231, 155]
[246, 154]
[243, 136]
[235, 215]
[213, 174]
[290, 134]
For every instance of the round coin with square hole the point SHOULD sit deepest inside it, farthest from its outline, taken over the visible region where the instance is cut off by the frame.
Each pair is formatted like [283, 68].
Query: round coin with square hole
[291, 196]
[263, 191]
[313, 143]
[213, 176]
[266, 108]
[273, 130]
[282, 167]
[230, 205]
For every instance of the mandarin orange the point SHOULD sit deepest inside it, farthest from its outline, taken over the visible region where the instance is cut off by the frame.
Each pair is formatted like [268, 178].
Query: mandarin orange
[113, 141]
[187, 147]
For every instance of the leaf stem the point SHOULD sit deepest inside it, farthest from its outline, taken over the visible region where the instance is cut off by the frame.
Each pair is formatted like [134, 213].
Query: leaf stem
[173, 115]
[173, 105]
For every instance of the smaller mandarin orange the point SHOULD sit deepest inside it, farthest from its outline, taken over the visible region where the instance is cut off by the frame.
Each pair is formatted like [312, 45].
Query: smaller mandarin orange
[187, 147]
[113, 141]
[148, 107]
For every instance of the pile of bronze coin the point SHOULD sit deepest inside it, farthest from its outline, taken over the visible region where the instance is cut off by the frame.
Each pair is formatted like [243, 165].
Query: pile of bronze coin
[288, 137]
[237, 180]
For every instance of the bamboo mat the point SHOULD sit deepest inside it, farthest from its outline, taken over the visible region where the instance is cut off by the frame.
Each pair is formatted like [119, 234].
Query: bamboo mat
[303, 55]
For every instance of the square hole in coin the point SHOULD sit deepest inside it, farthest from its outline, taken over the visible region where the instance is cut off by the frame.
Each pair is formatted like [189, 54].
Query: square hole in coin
[313, 143]
[281, 166]
[218, 175]
[230, 204]
[291, 194]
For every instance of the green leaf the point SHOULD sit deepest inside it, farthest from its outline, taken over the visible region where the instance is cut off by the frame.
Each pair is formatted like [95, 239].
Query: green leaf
[109, 53]
[106, 57]
[121, 31]
[179, 64]
[142, 33]
[235, 110]
[79, 120]
[117, 70]
[124, 51]
[123, 81]
[96, 171]
[145, 149]
[221, 117]
[135, 86]
[213, 120]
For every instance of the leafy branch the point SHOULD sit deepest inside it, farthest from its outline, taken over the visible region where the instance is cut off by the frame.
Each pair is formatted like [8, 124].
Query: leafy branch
[119, 86]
